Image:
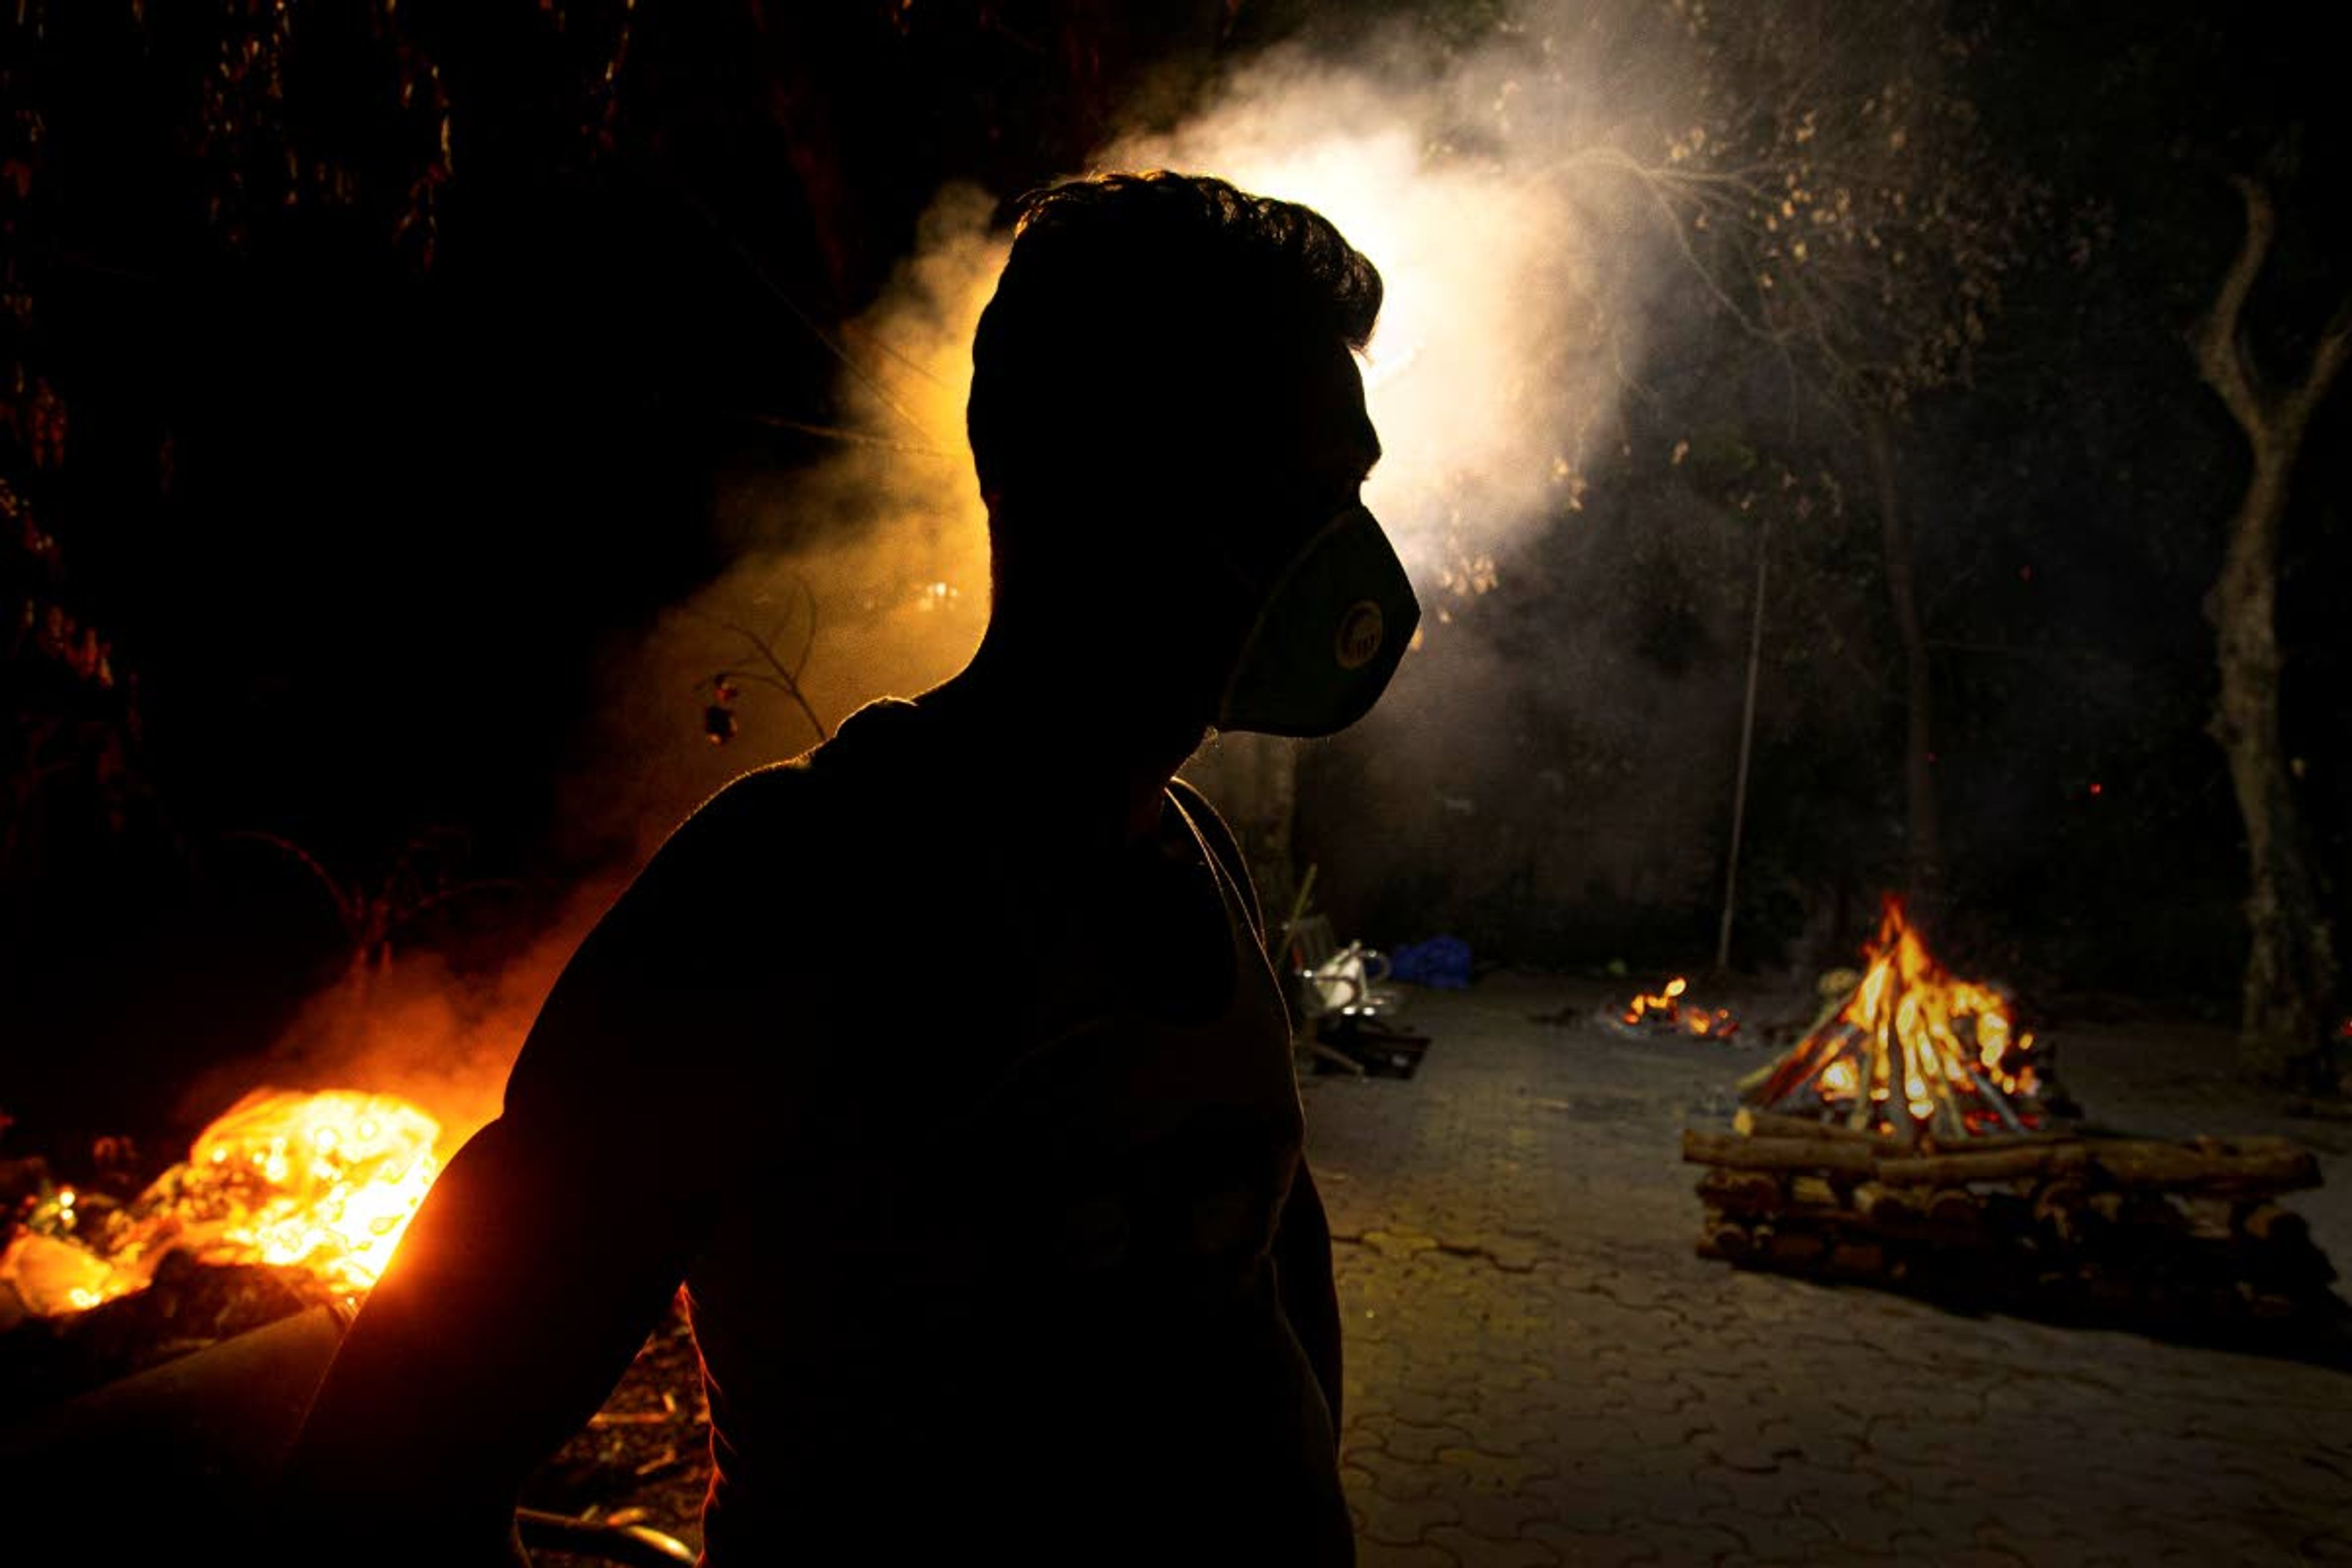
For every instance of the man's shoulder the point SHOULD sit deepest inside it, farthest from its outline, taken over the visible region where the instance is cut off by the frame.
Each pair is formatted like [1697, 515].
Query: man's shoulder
[826, 792]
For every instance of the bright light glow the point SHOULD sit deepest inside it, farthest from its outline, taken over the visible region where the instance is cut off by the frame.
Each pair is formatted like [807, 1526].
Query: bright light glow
[324, 1183]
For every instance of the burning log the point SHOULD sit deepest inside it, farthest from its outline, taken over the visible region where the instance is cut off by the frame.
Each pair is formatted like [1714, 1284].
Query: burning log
[1914, 1053]
[1668, 1011]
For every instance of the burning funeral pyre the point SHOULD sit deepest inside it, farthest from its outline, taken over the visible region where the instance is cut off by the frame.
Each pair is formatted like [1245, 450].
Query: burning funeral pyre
[1913, 1139]
[1669, 1011]
[1914, 1052]
[320, 1186]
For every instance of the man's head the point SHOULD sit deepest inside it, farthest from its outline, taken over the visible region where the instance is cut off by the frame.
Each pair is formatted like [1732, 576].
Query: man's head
[1165, 399]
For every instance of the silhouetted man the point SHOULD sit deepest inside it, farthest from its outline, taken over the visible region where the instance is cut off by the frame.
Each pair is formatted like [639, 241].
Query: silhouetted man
[944, 1065]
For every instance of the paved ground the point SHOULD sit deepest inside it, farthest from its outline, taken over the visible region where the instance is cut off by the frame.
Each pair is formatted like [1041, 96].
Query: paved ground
[1541, 1371]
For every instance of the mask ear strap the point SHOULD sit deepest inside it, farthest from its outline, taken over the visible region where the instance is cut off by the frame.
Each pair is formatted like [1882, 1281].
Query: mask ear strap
[1223, 848]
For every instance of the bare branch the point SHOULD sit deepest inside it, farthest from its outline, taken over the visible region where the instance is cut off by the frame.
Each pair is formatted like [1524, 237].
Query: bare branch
[2221, 358]
[2326, 362]
[1651, 182]
[427, 904]
[808, 643]
[784, 679]
[346, 905]
[839, 433]
[849, 363]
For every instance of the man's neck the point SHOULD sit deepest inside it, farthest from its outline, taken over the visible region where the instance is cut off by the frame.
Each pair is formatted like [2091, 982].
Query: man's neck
[1082, 751]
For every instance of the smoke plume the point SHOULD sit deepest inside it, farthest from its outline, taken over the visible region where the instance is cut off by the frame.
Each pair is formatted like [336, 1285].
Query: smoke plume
[1488, 181]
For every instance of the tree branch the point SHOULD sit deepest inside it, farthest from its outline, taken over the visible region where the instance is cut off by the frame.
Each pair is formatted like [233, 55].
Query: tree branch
[785, 678]
[2327, 361]
[349, 906]
[2220, 361]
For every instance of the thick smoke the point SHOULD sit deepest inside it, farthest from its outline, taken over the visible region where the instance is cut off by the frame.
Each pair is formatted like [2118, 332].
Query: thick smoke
[1489, 184]
[1530, 760]
[1484, 182]
[1502, 348]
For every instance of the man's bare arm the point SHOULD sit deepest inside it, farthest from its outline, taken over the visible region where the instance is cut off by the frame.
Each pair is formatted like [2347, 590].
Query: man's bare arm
[549, 1248]
[528, 1281]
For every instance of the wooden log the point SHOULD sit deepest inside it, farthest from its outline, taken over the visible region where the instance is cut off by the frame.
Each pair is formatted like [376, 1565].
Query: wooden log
[2143, 1210]
[2047, 1160]
[1954, 1208]
[2058, 1207]
[1858, 1261]
[2265, 1143]
[1722, 1237]
[1986, 1142]
[1742, 1192]
[1944, 1119]
[1813, 1192]
[1775, 1079]
[2272, 1168]
[2009, 1213]
[1796, 1247]
[1863, 1112]
[2139, 1219]
[2271, 1223]
[1819, 1155]
[1993, 1098]
[2212, 1218]
[1750, 1123]
[1883, 1204]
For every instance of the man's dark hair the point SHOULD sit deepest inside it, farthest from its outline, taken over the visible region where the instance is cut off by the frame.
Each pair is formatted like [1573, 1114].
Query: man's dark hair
[1137, 310]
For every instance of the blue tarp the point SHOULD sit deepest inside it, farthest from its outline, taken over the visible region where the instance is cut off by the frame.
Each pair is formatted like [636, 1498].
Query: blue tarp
[1443, 961]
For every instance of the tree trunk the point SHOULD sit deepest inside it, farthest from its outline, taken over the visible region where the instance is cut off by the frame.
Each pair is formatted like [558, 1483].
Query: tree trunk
[2291, 971]
[2290, 960]
[1923, 859]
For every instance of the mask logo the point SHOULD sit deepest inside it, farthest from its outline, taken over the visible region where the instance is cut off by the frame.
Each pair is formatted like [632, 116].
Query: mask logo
[1360, 630]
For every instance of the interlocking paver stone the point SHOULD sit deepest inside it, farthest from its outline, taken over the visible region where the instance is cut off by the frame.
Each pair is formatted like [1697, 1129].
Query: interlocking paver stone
[1540, 1370]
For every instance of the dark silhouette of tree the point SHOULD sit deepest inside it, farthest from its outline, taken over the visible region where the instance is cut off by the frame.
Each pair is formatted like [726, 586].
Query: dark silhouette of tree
[1835, 196]
[2287, 1025]
[423, 876]
[69, 752]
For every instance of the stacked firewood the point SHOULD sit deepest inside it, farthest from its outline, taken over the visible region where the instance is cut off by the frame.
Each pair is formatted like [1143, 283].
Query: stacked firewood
[2064, 1225]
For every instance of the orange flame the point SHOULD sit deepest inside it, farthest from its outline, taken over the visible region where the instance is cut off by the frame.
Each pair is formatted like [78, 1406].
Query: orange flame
[324, 1183]
[1666, 1006]
[1916, 1048]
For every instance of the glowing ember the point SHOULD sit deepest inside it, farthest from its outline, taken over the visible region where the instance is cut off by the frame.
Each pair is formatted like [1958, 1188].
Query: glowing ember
[1913, 1050]
[1666, 1009]
[324, 1183]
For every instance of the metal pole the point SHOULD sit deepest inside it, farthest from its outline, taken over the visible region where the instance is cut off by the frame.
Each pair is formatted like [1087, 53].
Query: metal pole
[1746, 745]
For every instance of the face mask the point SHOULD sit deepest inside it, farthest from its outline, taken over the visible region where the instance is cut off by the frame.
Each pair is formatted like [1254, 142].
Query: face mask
[1328, 635]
